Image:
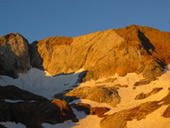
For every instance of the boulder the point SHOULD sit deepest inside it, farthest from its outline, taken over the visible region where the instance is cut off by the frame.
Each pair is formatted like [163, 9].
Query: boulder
[99, 94]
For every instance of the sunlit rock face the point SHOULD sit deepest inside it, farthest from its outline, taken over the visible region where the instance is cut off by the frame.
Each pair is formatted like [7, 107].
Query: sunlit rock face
[14, 55]
[104, 53]
[131, 49]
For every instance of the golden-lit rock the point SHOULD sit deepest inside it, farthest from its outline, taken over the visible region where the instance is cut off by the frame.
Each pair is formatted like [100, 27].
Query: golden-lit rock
[104, 53]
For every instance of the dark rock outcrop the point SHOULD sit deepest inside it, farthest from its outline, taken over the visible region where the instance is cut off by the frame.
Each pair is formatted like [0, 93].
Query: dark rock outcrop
[32, 110]
[14, 55]
[33, 114]
[14, 93]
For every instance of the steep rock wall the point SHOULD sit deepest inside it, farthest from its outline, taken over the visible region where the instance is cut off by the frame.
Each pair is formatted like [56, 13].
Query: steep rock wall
[104, 53]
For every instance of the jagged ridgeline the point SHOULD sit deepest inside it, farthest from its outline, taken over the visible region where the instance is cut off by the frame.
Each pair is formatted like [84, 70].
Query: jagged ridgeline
[131, 49]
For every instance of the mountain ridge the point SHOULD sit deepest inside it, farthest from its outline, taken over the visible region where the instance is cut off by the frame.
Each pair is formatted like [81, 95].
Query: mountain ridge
[102, 53]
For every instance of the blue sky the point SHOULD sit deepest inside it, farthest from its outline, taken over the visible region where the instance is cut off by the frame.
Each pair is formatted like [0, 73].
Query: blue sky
[39, 19]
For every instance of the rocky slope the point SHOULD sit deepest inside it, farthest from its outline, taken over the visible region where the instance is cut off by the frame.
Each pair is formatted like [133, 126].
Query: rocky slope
[14, 55]
[104, 53]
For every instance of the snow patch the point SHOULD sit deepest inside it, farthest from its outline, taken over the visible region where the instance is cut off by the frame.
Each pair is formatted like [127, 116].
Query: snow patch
[37, 82]
[12, 125]
[80, 70]
[16, 101]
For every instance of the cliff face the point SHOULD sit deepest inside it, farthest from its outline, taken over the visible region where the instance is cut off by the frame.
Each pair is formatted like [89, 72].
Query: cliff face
[14, 55]
[104, 53]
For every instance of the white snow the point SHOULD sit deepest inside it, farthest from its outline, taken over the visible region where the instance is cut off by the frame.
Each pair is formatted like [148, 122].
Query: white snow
[16, 101]
[37, 82]
[12, 125]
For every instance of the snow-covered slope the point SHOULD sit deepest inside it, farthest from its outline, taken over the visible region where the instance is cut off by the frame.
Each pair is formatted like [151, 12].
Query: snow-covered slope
[40, 82]
[12, 125]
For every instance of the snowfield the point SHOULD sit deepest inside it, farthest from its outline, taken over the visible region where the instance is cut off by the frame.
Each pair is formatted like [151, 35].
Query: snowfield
[12, 125]
[41, 83]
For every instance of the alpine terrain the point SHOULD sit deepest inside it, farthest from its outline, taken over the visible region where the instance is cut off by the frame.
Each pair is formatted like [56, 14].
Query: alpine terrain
[118, 78]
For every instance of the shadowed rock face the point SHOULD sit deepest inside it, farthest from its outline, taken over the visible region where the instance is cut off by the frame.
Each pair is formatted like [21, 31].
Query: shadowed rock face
[14, 55]
[12, 92]
[104, 53]
[32, 110]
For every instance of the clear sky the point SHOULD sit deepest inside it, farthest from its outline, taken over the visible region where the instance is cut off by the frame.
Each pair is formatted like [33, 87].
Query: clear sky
[39, 19]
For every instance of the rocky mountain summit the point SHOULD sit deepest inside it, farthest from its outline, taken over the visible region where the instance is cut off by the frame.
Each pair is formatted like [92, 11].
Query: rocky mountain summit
[14, 54]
